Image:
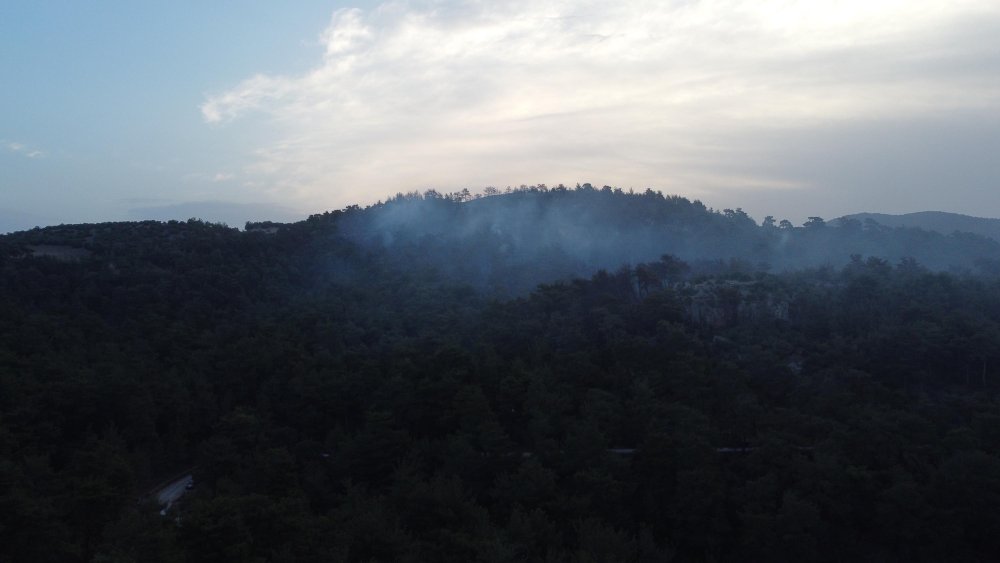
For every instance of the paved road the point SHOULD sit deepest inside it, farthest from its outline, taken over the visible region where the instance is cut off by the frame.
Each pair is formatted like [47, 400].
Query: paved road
[173, 491]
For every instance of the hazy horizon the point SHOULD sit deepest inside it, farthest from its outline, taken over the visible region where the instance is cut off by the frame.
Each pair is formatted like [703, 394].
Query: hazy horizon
[237, 214]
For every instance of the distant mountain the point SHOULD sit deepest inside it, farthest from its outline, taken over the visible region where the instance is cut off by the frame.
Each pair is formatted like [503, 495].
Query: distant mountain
[230, 213]
[939, 221]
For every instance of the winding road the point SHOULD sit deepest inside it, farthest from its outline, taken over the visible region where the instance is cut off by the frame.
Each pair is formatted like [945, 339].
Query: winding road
[174, 490]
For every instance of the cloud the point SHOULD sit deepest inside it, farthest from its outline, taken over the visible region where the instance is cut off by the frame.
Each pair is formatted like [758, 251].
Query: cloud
[672, 95]
[201, 177]
[21, 149]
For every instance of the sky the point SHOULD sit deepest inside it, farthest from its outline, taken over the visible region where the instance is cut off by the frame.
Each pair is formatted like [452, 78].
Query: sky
[235, 110]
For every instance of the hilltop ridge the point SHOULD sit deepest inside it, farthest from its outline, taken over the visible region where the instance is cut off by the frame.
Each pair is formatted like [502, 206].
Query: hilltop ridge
[938, 221]
[509, 243]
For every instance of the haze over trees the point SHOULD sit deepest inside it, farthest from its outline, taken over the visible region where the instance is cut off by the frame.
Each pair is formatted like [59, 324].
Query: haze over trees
[537, 234]
[938, 221]
[547, 375]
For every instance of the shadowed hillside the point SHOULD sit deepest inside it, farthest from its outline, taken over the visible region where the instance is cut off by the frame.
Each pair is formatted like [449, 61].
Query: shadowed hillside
[941, 222]
[356, 387]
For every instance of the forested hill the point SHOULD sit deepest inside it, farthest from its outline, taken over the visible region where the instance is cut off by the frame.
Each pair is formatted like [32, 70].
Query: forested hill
[507, 243]
[945, 223]
[516, 240]
[356, 387]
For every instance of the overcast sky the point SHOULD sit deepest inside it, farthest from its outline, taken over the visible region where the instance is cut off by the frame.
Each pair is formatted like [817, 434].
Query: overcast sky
[123, 110]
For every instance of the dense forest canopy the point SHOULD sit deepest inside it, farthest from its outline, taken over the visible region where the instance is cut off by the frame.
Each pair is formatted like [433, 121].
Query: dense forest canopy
[546, 375]
[536, 234]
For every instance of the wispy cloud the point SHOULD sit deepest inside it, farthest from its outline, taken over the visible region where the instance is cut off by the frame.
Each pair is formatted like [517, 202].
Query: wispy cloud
[21, 149]
[203, 177]
[645, 93]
